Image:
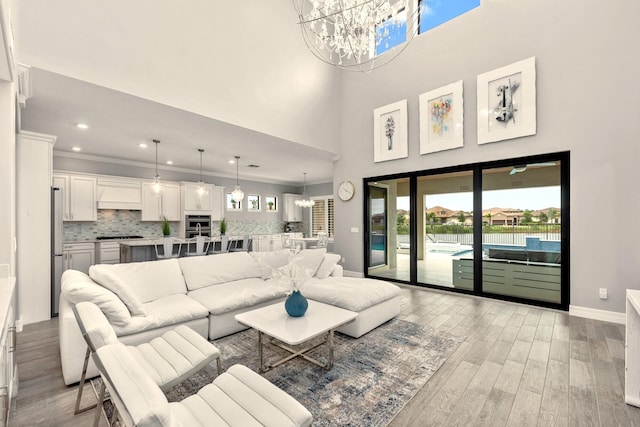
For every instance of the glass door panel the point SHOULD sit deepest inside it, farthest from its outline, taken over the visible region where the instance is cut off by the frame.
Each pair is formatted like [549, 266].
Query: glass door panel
[445, 230]
[389, 240]
[521, 231]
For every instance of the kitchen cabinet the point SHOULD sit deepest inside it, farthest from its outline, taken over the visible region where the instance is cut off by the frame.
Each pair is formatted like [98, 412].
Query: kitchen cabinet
[210, 203]
[79, 256]
[290, 211]
[119, 193]
[8, 365]
[79, 195]
[107, 252]
[167, 204]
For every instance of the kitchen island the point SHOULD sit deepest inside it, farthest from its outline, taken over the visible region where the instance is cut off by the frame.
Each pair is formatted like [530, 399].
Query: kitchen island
[145, 249]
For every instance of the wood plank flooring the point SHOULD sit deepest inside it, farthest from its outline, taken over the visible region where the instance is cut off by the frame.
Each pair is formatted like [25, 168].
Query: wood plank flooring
[518, 366]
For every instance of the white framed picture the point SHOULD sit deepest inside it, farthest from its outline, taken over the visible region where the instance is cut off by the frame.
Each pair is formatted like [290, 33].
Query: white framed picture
[390, 132]
[441, 118]
[507, 102]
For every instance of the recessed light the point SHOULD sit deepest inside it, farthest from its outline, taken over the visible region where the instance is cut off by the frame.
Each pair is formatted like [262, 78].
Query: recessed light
[76, 148]
[82, 126]
[169, 162]
[231, 162]
[142, 145]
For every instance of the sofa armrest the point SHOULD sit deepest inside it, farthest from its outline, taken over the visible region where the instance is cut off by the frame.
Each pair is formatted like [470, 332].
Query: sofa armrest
[337, 271]
[72, 345]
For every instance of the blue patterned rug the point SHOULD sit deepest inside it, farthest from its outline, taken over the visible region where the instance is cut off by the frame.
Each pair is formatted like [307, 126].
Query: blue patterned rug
[373, 377]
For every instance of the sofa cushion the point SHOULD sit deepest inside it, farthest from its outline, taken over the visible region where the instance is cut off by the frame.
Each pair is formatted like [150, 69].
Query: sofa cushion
[148, 281]
[268, 261]
[231, 296]
[169, 310]
[310, 259]
[329, 262]
[78, 287]
[203, 271]
[350, 293]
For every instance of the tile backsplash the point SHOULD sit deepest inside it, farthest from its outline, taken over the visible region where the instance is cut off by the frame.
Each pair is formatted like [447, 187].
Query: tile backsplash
[125, 222]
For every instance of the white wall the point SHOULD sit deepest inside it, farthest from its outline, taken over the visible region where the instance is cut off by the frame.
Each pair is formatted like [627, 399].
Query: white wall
[242, 62]
[588, 102]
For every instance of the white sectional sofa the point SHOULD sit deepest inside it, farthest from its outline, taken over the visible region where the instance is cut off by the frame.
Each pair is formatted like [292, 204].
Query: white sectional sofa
[144, 300]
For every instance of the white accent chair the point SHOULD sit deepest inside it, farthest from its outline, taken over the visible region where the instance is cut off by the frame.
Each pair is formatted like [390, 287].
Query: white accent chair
[168, 360]
[238, 397]
[166, 248]
[322, 241]
[198, 246]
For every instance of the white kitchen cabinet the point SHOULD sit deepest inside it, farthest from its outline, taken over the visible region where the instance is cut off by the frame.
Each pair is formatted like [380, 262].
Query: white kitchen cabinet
[291, 212]
[8, 365]
[79, 256]
[210, 203]
[62, 182]
[167, 204]
[79, 195]
[82, 198]
[107, 252]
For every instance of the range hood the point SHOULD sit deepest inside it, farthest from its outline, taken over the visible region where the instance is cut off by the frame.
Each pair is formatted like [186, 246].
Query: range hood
[119, 194]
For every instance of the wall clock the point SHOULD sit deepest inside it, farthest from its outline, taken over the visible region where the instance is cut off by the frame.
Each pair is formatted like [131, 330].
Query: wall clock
[346, 190]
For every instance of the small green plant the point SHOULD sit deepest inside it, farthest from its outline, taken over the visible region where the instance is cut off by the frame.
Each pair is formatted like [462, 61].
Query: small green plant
[223, 226]
[166, 227]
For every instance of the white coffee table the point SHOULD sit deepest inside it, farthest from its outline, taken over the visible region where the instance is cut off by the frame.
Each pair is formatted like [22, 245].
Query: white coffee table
[273, 321]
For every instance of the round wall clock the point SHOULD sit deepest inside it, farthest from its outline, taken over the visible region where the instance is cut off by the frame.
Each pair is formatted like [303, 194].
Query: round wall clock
[346, 190]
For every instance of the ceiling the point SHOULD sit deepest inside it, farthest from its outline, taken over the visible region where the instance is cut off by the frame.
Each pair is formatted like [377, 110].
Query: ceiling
[119, 122]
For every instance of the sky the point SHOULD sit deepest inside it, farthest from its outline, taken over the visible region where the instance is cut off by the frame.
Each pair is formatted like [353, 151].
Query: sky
[520, 198]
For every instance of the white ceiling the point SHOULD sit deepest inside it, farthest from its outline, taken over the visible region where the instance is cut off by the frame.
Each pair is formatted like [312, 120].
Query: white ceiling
[118, 122]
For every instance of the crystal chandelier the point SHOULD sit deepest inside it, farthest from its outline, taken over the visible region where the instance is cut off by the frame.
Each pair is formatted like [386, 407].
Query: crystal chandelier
[305, 202]
[348, 33]
[237, 194]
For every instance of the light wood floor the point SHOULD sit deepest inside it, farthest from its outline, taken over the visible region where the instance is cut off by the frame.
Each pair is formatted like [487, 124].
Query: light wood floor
[519, 366]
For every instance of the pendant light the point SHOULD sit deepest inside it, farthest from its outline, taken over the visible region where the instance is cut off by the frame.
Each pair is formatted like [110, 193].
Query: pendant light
[305, 202]
[237, 194]
[201, 189]
[156, 186]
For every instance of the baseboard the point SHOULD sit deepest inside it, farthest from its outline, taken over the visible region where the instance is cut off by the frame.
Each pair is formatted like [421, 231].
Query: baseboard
[348, 273]
[593, 313]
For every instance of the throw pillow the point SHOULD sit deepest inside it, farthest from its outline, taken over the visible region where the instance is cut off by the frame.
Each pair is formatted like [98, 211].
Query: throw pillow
[310, 259]
[269, 261]
[78, 287]
[327, 265]
[111, 281]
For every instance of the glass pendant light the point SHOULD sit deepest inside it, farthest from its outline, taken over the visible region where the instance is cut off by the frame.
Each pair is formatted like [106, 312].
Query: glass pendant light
[237, 194]
[305, 202]
[201, 188]
[156, 186]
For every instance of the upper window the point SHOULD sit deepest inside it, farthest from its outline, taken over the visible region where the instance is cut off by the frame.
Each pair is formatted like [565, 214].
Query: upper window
[436, 12]
[391, 32]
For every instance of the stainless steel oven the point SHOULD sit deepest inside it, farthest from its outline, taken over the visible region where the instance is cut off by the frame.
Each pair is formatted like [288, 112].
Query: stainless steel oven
[197, 225]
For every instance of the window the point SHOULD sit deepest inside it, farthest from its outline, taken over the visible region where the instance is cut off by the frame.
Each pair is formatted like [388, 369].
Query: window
[233, 205]
[322, 216]
[391, 32]
[272, 203]
[436, 12]
[253, 203]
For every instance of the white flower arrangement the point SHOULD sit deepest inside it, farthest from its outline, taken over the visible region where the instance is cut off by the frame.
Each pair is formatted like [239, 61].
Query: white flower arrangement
[292, 274]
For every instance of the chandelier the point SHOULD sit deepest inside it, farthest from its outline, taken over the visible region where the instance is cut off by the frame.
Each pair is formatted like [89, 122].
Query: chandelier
[237, 194]
[305, 202]
[349, 33]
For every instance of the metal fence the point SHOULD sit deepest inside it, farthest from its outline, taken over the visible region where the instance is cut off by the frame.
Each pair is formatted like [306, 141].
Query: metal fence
[493, 234]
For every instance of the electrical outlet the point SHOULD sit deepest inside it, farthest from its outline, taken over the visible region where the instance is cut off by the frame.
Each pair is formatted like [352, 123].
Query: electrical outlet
[355, 230]
[603, 293]
[343, 259]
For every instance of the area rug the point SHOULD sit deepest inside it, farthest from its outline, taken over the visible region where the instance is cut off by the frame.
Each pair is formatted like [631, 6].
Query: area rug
[373, 376]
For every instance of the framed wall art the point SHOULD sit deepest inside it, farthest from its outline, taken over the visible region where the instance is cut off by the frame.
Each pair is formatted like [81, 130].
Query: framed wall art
[507, 102]
[390, 132]
[441, 119]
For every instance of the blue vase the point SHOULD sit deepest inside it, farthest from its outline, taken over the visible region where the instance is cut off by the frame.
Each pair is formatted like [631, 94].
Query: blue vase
[296, 305]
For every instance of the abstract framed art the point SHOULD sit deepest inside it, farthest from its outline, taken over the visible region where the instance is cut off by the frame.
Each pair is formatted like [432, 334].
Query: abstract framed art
[390, 132]
[441, 119]
[507, 102]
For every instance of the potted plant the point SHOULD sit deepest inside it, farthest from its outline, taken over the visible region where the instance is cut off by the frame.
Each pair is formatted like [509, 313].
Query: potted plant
[166, 227]
[223, 227]
[270, 204]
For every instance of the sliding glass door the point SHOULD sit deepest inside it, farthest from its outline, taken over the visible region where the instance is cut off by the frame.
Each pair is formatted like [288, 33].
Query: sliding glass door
[496, 229]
